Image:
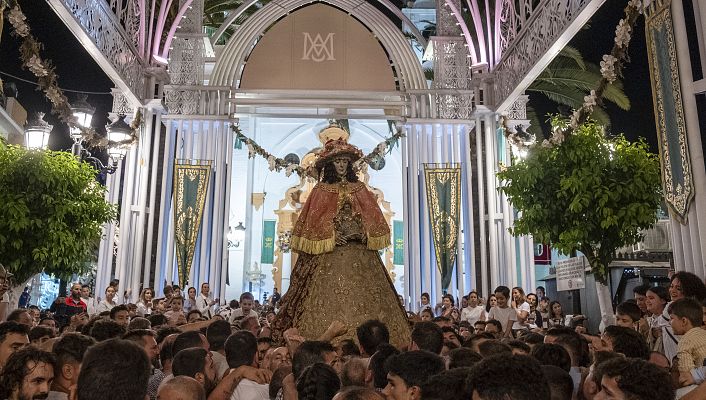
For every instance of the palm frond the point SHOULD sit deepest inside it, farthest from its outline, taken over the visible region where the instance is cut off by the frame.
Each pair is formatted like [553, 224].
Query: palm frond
[573, 54]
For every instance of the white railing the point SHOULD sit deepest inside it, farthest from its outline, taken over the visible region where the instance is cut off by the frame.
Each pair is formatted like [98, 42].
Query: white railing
[185, 101]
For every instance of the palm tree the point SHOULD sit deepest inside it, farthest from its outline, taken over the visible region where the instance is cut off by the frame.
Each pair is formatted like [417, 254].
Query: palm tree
[216, 12]
[568, 79]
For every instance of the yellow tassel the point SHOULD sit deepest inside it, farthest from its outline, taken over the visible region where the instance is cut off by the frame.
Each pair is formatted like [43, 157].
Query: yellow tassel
[313, 246]
[378, 242]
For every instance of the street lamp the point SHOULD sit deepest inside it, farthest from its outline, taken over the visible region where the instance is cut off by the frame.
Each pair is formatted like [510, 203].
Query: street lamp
[236, 235]
[83, 112]
[119, 134]
[37, 132]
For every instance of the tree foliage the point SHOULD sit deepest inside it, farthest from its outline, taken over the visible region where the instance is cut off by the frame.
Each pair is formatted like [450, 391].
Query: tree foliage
[591, 194]
[51, 212]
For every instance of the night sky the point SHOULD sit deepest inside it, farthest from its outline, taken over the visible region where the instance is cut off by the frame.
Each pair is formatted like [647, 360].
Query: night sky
[78, 71]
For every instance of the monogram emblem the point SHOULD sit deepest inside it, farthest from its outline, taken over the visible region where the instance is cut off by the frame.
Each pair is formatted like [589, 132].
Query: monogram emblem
[318, 49]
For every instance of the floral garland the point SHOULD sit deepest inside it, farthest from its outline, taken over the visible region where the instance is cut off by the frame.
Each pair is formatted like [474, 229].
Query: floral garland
[611, 67]
[279, 164]
[43, 70]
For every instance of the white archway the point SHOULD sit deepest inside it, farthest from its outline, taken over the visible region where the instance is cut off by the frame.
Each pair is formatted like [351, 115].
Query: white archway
[228, 68]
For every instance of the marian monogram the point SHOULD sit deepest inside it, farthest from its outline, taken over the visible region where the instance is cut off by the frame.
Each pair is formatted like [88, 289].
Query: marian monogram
[318, 49]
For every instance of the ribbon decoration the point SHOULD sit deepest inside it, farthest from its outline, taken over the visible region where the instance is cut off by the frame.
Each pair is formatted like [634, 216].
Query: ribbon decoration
[677, 179]
[191, 180]
[443, 187]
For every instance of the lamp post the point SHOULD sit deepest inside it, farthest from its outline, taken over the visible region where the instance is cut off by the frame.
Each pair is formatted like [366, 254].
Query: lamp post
[37, 132]
[83, 112]
[119, 134]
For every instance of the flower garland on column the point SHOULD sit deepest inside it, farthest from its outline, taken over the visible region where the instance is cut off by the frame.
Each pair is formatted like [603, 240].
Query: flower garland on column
[279, 164]
[611, 67]
[43, 70]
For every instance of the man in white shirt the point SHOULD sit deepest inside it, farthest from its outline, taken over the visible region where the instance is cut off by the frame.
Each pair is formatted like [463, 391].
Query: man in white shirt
[241, 350]
[204, 302]
[247, 302]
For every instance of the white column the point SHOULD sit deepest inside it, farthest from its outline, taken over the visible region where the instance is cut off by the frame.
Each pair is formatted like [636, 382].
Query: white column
[164, 208]
[125, 218]
[410, 293]
[697, 217]
[483, 215]
[490, 153]
[152, 201]
[287, 271]
[224, 254]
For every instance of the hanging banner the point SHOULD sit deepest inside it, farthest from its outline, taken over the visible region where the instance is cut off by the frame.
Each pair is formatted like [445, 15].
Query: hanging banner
[443, 182]
[398, 241]
[190, 187]
[669, 110]
[268, 242]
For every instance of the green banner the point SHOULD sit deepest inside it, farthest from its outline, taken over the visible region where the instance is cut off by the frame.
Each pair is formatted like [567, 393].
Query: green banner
[677, 178]
[443, 182]
[190, 187]
[398, 241]
[268, 242]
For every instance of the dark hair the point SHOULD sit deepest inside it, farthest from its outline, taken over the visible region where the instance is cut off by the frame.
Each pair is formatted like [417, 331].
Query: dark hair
[552, 354]
[495, 323]
[532, 338]
[414, 367]
[318, 382]
[331, 176]
[186, 340]
[425, 294]
[551, 310]
[542, 287]
[487, 303]
[630, 309]
[114, 370]
[47, 319]
[189, 362]
[16, 368]
[139, 323]
[246, 295]
[117, 309]
[14, 316]
[193, 312]
[561, 385]
[685, 308]
[691, 285]
[627, 341]
[104, 329]
[479, 322]
[371, 334]
[377, 364]
[519, 345]
[661, 292]
[40, 331]
[450, 297]
[428, 336]
[490, 378]
[162, 333]
[349, 348]
[447, 385]
[463, 357]
[641, 289]
[491, 347]
[637, 378]
[577, 347]
[504, 290]
[217, 333]
[71, 347]
[309, 353]
[240, 348]
[157, 320]
[137, 335]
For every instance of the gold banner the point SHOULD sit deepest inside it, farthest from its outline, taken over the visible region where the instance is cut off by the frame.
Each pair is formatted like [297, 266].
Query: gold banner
[191, 179]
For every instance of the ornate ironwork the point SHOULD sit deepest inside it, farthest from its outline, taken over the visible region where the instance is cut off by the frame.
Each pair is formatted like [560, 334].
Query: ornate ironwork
[528, 30]
[121, 105]
[446, 24]
[518, 109]
[107, 33]
[451, 71]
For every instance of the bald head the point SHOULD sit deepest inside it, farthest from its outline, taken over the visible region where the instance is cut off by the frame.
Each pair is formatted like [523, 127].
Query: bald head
[181, 388]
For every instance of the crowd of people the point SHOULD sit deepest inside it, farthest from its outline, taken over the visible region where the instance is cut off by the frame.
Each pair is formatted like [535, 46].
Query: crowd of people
[512, 346]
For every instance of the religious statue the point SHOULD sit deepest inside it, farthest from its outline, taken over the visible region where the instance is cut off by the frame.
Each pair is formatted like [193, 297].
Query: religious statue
[339, 275]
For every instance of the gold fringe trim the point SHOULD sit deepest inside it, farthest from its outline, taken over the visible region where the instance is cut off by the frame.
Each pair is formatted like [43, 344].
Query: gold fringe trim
[305, 245]
[378, 242]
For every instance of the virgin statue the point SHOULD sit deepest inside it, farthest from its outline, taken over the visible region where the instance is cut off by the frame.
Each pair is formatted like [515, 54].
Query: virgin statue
[338, 275]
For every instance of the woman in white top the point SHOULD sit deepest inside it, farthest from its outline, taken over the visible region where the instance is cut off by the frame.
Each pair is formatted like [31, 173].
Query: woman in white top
[473, 312]
[522, 309]
[144, 306]
[108, 303]
[190, 301]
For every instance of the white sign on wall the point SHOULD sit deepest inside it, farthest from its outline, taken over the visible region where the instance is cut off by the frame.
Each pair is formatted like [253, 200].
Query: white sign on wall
[571, 274]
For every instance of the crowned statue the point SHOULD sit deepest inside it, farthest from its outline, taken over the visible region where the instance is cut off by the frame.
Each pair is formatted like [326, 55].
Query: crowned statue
[338, 275]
